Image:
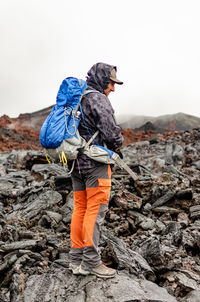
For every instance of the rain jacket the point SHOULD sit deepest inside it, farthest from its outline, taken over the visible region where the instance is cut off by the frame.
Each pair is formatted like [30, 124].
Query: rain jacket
[98, 114]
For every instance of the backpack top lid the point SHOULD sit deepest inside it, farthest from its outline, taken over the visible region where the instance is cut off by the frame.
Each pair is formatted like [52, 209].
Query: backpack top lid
[70, 91]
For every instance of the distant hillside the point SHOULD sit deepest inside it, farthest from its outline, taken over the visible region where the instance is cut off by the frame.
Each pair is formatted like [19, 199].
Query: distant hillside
[178, 121]
[35, 120]
[133, 121]
[160, 124]
[170, 122]
[23, 132]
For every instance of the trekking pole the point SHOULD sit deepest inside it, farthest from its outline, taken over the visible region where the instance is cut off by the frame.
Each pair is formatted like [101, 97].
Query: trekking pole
[124, 166]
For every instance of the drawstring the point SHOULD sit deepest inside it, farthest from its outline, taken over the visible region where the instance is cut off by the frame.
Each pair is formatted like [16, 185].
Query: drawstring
[73, 163]
[74, 121]
[79, 170]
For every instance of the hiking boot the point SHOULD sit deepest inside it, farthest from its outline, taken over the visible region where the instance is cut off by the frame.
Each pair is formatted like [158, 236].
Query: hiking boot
[101, 271]
[74, 268]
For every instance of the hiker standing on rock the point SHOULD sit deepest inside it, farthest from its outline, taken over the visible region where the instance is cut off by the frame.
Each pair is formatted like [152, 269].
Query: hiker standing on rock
[91, 180]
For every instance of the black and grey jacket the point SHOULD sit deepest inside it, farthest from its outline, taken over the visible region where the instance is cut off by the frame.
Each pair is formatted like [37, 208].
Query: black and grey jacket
[98, 114]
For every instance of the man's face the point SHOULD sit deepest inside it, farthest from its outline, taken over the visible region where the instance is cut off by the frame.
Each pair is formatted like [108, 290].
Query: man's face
[111, 87]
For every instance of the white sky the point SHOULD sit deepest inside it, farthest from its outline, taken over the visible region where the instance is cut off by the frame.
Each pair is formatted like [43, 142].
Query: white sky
[154, 43]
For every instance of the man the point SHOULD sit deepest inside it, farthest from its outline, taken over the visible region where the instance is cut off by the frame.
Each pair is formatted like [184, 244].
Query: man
[92, 180]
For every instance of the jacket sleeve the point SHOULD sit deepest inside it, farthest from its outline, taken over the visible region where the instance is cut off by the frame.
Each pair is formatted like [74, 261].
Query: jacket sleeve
[103, 114]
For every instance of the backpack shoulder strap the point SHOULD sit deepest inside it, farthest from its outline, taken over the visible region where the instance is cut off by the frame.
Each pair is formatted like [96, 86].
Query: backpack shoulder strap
[90, 91]
[84, 93]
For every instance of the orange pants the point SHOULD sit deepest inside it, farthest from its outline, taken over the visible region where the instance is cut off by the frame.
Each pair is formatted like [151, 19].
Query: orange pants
[91, 195]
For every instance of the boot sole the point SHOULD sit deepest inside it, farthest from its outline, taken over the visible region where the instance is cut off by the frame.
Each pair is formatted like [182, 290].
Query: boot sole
[85, 273]
[103, 276]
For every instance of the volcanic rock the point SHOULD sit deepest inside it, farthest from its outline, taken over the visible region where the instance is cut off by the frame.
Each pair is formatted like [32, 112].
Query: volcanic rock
[151, 234]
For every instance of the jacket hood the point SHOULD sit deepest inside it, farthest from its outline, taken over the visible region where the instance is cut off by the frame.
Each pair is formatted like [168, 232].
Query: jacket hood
[98, 76]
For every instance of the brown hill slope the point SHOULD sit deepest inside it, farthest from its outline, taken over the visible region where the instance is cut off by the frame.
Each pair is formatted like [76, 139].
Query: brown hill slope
[22, 132]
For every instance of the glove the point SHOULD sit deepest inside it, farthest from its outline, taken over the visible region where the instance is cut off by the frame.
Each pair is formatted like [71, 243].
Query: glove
[119, 153]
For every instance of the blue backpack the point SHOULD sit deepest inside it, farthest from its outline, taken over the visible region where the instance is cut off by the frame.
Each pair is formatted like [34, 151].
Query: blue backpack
[59, 133]
[62, 123]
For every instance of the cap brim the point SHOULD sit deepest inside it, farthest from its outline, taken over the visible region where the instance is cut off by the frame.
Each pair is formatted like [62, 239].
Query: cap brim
[116, 81]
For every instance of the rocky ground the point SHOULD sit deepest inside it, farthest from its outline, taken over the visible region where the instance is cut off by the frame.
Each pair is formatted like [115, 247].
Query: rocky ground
[151, 233]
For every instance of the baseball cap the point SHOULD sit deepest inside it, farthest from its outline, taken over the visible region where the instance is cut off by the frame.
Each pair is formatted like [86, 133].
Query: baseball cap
[114, 78]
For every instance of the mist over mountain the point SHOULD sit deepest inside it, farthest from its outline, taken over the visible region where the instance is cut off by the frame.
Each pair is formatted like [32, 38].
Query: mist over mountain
[170, 122]
[132, 121]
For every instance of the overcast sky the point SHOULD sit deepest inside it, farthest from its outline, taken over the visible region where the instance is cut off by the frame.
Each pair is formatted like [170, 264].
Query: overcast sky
[154, 43]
